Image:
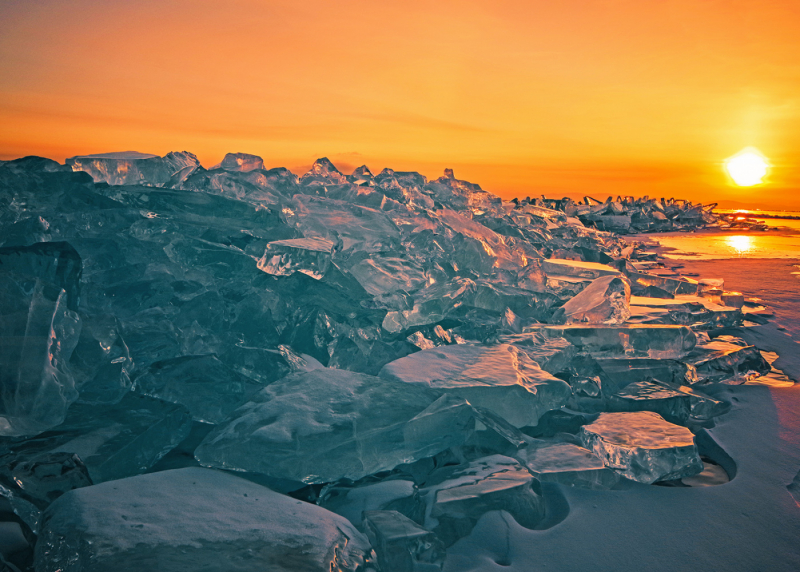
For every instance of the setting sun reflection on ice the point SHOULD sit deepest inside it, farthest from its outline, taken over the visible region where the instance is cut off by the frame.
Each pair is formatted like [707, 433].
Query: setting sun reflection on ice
[740, 244]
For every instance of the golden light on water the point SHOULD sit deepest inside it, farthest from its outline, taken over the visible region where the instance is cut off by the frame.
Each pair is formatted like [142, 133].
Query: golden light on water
[748, 167]
[740, 244]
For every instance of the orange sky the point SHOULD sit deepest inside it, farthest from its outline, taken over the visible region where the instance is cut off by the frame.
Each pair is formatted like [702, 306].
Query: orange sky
[523, 97]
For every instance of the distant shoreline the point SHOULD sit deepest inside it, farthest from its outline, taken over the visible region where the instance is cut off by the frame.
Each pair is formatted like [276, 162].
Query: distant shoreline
[752, 214]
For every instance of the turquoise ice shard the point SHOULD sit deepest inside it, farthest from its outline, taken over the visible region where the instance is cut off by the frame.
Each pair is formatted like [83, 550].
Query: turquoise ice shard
[311, 256]
[101, 361]
[672, 404]
[642, 446]
[359, 228]
[382, 275]
[351, 501]
[500, 378]
[39, 329]
[458, 496]
[401, 544]
[56, 264]
[37, 385]
[330, 424]
[566, 464]
[43, 478]
[194, 519]
[111, 441]
[461, 298]
[733, 365]
[605, 301]
[208, 388]
[552, 354]
[133, 168]
[703, 406]
[641, 340]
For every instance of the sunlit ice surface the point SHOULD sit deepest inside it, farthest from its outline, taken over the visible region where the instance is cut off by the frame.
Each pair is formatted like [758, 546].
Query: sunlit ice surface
[748, 167]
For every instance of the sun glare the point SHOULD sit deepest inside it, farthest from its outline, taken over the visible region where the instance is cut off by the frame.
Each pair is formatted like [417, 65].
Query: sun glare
[740, 244]
[748, 167]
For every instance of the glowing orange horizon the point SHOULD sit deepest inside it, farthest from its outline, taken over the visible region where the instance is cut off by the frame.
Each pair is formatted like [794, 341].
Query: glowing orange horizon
[522, 97]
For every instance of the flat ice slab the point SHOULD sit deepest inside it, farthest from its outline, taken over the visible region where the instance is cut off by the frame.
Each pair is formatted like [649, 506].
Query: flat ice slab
[501, 378]
[642, 446]
[567, 464]
[193, 519]
[577, 268]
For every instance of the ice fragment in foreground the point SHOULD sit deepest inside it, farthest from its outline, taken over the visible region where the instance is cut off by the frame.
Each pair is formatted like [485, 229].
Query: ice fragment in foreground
[642, 446]
[401, 544]
[330, 424]
[50, 475]
[567, 464]
[500, 378]
[605, 301]
[111, 441]
[462, 494]
[38, 333]
[204, 385]
[194, 519]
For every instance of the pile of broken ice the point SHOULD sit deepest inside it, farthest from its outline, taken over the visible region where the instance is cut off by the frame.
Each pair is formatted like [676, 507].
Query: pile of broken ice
[242, 369]
[629, 215]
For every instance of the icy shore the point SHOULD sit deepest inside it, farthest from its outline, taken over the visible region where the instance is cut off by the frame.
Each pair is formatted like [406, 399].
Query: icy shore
[404, 374]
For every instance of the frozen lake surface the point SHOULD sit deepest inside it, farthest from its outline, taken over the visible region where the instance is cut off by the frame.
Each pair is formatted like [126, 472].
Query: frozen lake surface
[781, 242]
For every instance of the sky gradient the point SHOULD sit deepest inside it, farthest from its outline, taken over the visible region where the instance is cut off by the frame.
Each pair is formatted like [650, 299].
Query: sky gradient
[522, 97]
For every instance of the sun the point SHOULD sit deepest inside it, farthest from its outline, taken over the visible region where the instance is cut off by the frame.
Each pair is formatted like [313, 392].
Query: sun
[748, 167]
